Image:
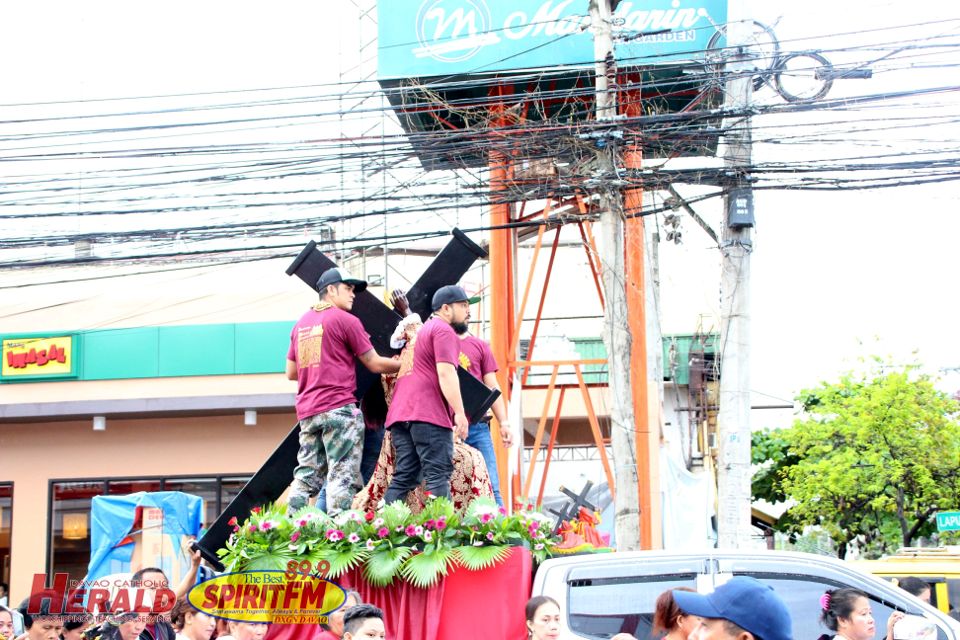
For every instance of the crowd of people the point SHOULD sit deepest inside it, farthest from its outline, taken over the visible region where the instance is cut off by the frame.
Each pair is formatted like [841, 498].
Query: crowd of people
[743, 608]
[342, 444]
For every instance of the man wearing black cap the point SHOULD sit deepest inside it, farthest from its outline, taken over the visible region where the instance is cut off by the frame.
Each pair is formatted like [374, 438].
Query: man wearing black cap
[743, 608]
[323, 345]
[427, 408]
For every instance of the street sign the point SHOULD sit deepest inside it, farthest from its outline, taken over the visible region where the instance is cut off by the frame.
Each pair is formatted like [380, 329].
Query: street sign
[948, 521]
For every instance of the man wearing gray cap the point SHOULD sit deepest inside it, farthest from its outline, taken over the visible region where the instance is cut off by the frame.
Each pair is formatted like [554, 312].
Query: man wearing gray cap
[427, 408]
[323, 345]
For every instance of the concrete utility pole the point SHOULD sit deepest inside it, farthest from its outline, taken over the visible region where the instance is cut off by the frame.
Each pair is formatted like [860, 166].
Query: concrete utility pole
[733, 419]
[616, 334]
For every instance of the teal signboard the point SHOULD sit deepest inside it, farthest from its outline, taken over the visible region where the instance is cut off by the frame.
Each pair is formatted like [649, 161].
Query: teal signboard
[425, 38]
[948, 521]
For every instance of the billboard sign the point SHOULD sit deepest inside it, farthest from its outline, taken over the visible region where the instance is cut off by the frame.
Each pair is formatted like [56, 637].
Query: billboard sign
[426, 38]
[39, 357]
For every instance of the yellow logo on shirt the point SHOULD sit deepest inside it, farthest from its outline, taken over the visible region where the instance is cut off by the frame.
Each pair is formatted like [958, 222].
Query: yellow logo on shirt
[309, 343]
[464, 360]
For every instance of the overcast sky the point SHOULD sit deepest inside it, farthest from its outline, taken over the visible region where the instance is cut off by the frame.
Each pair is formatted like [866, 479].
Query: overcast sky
[830, 271]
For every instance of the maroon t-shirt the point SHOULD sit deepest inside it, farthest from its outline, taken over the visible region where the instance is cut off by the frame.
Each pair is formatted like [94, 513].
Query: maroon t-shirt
[323, 344]
[417, 397]
[477, 357]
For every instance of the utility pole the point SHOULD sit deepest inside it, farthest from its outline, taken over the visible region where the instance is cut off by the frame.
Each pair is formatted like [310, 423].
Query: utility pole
[616, 334]
[733, 419]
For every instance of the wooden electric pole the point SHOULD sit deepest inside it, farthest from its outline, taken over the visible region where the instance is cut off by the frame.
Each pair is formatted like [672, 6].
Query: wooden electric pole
[733, 420]
[616, 334]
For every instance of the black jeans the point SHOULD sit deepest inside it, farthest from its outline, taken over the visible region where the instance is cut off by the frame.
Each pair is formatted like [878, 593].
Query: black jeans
[420, 447]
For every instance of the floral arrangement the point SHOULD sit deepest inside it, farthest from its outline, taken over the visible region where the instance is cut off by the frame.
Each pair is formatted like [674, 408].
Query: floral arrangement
[390, 543]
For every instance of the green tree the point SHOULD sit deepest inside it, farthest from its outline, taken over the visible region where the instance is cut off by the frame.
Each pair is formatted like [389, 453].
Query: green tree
[874, 457]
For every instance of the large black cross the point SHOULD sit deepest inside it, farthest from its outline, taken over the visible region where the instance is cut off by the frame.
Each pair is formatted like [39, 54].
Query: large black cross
[379, 321]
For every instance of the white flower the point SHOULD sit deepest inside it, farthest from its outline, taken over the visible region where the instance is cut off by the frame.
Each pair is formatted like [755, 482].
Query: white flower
[353, 538]
[378, 522]
[371, 545]
[354, 516]
[427, 536]
[418, 530]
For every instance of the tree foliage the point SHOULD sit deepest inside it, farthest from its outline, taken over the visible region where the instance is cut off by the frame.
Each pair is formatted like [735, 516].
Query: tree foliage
[871, 461]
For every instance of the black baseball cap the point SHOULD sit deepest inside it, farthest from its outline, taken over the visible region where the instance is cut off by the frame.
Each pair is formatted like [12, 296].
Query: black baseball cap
[448, 295]
[337, 275]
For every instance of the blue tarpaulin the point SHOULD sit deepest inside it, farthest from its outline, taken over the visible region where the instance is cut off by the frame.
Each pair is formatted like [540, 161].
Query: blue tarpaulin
[113, 534]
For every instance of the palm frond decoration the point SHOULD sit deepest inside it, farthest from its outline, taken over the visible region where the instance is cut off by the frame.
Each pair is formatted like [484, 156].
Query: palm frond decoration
[424, 569]
[275, 558]
[383, 566]
[477, 558]
[396, 514]
[343, 560]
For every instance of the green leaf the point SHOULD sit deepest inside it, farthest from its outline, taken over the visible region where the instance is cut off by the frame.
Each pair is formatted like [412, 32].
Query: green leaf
[477, 558]
[383, 565]
[342, 561]
[423, 570]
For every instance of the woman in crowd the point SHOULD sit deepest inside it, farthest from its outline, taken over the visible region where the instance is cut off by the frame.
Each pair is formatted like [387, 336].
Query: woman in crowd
[245, 631]
[333, 629]
[543, 618]
[6, 623]
[847, 612]
[74, 625]
[191, 624]
[124, 625]
[669, 621]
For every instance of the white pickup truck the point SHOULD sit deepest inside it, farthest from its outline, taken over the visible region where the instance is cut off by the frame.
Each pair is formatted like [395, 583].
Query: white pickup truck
[605, 594]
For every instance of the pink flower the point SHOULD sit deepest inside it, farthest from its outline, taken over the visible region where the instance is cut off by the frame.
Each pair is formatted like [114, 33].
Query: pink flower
[294, 536]
[232, 521]
[253, 528]
[486, 517]
[369, 516]
[302, 522]
[334, 535]
[410, 530]
[489, 535]
[353, 537]
[442, 523]
[503, 511]
[430, 524]
[266, 525]
[255, 510]
[383, 532]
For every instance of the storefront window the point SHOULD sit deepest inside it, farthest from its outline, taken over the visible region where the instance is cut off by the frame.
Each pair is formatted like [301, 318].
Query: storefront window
[70, 526]
[126, 487]
[6, 524]
[205, 488]
[71, 502]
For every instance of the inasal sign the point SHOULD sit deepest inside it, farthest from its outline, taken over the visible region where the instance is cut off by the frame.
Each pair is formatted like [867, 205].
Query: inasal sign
[38, 357]
[424, 38]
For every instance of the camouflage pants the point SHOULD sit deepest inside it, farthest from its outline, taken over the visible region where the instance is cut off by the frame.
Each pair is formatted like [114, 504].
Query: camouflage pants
[330, 447]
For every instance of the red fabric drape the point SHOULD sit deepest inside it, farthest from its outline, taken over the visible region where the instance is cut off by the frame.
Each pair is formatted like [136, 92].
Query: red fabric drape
[466, 605]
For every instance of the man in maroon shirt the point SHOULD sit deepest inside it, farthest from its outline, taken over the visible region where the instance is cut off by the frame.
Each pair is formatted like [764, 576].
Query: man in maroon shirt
[427, 408]
[477, 358]
[323, 345]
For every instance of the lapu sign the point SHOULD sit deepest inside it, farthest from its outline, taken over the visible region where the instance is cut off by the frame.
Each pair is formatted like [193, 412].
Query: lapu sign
[426, 38]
